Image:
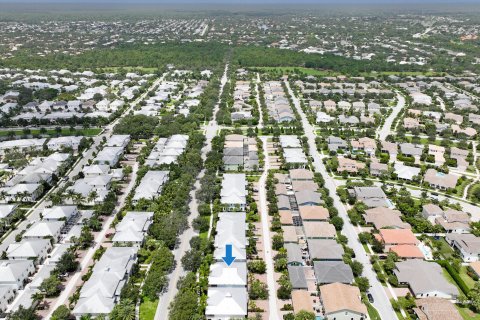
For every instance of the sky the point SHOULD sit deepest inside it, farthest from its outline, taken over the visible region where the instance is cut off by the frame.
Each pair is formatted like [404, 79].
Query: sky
[356, 2]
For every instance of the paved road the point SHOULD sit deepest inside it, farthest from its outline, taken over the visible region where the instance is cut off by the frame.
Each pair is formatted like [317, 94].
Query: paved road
[267, 241]
[382, 303]
[34, 213]
[386, 129]
[70, 286]
[184, 239]
[259, 106]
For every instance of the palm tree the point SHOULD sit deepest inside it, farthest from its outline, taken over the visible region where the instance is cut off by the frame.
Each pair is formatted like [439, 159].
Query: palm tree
[125, 310]
[92, 196]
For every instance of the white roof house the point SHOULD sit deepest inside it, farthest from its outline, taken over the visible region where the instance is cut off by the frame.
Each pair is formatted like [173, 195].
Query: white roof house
[406, 172]
[95, 170]
[44, 229]
[15, 272]
[7, 294]
[234, 193]
[29, 249]
[151, 185]
[222, 275]
[133, 227]
[6, 210]
[118, 140]
[101, 292]
[109, 155]
[60, 213]
[226, 303]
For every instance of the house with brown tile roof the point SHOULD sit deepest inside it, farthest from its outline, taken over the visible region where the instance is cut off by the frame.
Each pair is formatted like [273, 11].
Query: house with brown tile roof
[349, 165]
[436, 309]
[300, 174]
[393, 237]
[299, 185]
[406, 251]
[470, 132]
[382, 217]
[437, 152]
[377, 168]
[342, 301]
[410, 123]
[431, 211]
[440, 180]
[458, 119]
[454, 221]
[313, 213]
[286, 217]
[389, 147]
[319, 230]
[289, 234]
[302, 300]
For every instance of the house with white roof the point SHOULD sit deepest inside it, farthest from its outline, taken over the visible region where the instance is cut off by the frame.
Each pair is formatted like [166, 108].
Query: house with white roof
[44, 230]
[133, 228]
[151, 185]
[15, 273]
[60, 213]
[226, 303]
[29, 249]
[109, 155]
[233, 194]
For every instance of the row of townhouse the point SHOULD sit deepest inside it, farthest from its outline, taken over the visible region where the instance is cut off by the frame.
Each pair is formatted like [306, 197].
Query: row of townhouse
[167, 150]
[27, 185]
[240, 152]
[227, 284]
[293, 153]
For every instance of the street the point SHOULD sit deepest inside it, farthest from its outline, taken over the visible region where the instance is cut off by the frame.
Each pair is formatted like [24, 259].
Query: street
[184, 239]
[382, 303]
[267, 240]
[386, 129]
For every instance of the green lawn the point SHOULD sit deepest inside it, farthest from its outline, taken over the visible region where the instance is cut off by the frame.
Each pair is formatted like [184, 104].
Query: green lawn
[466, 278]
[468, 314]
[372, 312]
[130, 69]
[52, 132]
[147, 309]
[449, 277]
[445, 250]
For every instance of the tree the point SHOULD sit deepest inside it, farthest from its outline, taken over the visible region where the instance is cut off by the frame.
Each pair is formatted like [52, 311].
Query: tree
[474, 295]
[258, 290]
[357, 268]
[138, 126]
[257, 266]
[125, 310]
[277, 241]
[305, 315]
[362, 283]
[61, 313]
[337, 223]
[67, 263]
[51, 286]
[23, 314]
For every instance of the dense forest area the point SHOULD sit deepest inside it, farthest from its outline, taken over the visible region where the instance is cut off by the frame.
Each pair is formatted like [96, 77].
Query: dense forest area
[198, 55]
[188, 55]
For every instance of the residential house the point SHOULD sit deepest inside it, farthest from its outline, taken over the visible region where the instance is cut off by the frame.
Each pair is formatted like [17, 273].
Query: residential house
[342, 302]
[425, 279]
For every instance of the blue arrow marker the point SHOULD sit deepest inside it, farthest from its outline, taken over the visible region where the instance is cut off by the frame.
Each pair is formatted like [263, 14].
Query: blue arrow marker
[228, 259]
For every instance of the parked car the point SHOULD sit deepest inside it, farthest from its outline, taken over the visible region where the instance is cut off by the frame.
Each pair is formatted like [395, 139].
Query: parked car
[370, 297]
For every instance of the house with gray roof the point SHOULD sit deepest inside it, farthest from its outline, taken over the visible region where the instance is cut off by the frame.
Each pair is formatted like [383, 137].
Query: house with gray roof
[294, 254]
[297, 277]
[466, 244]
[332, 271]
[425, 279]
[371, 196]
[325, 250]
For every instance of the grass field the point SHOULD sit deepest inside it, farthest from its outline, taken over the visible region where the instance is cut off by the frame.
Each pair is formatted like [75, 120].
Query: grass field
[468, 314]
[147, 309]
[89, 132]
[130, 69]
[372, 312]
[327, 73]
[466, 278]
